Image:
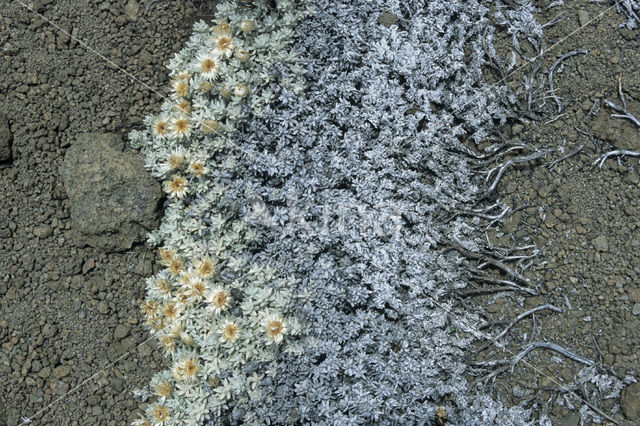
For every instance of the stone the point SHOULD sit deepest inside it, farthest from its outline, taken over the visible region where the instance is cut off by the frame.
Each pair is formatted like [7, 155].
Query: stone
[113, 201]
[570, 420]
[88, 265]
[600, 243]
[630, 401]
[49, 330]
[622, 134]
[6, 138]
[131, 10]
[43, 231]
[144, 57]
[387, 19]
[61, 371]
[121, 332]
[583, 17]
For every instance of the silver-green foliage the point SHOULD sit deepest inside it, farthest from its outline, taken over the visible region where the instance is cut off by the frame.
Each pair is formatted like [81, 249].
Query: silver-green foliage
[219, 317]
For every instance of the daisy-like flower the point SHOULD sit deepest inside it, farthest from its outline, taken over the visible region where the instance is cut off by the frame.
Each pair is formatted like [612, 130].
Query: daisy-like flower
[196, 287]
[275, 327]
[183, 299]
[156, 323]
[162, 389]
[168, 344]
[161, 128]
[180, 87]
[160, 414]
[171, 311]
[184, 107]
[218, 299]
[222, 28]
[229, 331]
[150, 307]
[176, 187]
[166, 256]
[161, 287]
[208, 64]
[180, 127]
[206, 267]
[176, 158]
[197, 168]
[175, 329]
[185, 369]
[224, 45]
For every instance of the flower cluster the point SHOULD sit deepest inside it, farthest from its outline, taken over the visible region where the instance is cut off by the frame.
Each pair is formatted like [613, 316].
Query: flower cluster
[218, 317]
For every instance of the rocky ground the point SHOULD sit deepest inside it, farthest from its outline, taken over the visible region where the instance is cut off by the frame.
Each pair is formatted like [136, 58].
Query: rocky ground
[69, 310]
[70, 313]
[585, 220]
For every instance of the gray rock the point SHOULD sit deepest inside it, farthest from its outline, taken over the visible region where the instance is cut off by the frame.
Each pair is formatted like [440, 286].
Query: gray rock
[570, 420]
[43, 231]
[630, 401]
[636, 309]
[131, 10]
[121, 332]
[387, 19]
[600, 243]
[583, 17]
[622, 134]
[61, 371]
[5, 139]
[113, 200]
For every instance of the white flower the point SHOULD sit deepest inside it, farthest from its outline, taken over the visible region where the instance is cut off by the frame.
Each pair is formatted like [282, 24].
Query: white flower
[224, 44]
[176, 187]
[229, 331]
[218, 300]
[208, 65]
[180, 127]
[275, 328]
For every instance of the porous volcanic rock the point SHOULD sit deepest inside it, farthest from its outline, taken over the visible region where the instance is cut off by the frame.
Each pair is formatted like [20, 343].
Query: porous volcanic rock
[113, 200]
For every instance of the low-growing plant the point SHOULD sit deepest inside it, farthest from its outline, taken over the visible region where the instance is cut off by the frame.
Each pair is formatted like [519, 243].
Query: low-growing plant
[218, 318]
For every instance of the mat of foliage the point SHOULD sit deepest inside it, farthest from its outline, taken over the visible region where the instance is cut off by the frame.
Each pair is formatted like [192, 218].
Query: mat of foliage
[347, 185]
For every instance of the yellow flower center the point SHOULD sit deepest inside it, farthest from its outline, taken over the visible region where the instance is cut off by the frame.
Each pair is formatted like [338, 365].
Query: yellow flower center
[230, 331]
[182, 88]
[176, 266]
[162, 128]
[190, 368]
[164, 286]
[274, 328]
[220, 299]
[197, 168]
[224, 43]
[198, 288]
[175, 160]
[163, 389]
[170, 311]
[160, 413]
[206, 268]
[177, 184]
[181, 125]
[208, 65]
